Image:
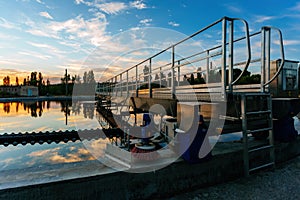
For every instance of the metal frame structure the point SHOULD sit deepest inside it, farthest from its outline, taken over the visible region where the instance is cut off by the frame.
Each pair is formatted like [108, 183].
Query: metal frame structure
[124, 85]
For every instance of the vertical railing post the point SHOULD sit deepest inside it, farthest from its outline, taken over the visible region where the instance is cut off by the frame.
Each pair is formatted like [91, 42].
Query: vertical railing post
[263, 60]
[207, 66]
[268, 54]
[127, 83]
[117, 85]
[149, 78]
[223, 65]
[173, 73]
[230, 61]
[121, 84]
[160, 77]
[178, 73]
[109, 87]
[112, 85]
[245, 135]
[136, 82]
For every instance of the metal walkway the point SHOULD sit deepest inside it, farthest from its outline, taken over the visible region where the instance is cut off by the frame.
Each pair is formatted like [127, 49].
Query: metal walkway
[206, 75]
[212, 75]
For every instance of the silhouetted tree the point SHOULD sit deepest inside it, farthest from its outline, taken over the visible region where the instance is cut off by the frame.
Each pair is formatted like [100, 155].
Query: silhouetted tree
[88, 77]
[17, 81]
[33, 78]
[6, 81]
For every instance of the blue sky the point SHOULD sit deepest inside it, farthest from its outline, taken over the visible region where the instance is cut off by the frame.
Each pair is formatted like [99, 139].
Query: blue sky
[51, 35]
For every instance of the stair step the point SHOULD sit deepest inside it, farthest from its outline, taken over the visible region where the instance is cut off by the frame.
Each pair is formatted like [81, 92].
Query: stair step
[260, 130]
[260, 148]
[261, 166]
[257, 94]
[259, 112]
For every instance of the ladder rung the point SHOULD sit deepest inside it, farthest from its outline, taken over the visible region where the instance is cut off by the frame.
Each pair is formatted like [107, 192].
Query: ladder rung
[261, 148]
[260, 130]
[257, 94]
[262, 166]
[259, 112]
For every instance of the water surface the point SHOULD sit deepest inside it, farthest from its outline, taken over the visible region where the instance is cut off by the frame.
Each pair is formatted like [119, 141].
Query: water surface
[21, 117]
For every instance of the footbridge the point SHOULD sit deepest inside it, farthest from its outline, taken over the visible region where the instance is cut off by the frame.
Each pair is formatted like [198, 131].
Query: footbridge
[218, 73]
[234, 82]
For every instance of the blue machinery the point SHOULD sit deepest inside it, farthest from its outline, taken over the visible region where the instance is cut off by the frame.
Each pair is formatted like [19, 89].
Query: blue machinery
[249, 105]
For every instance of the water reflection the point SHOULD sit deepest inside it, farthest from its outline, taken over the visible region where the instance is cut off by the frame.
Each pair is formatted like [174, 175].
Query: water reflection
[88, 110]
[35, 116]
[36, 108]
[47, 116]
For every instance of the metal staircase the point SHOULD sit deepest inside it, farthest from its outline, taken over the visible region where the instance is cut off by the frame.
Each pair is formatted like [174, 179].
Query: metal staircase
[249, 113]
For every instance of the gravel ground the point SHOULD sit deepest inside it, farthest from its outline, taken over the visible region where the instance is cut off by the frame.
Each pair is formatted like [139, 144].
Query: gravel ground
[282, 183]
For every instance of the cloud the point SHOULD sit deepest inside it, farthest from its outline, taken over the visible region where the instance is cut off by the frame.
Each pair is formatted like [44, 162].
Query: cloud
[41, 152]
[92, 31]
[61, 155]
[261, 18]
[288, 42]
[139, 4]
[111, 8]
[6, 24]
[46, 15]
[10, 62]
[43, 33]
[296, 7]
[50, 49]
[146, 22]
[174, 24]
[79, 2]
[8, 37]
[39, 1]
[34, 54]
[233, 9]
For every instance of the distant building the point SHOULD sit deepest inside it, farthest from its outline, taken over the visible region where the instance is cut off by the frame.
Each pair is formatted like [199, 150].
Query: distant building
[26, 90]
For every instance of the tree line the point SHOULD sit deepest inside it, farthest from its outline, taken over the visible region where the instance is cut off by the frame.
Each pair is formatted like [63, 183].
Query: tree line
[46, 88]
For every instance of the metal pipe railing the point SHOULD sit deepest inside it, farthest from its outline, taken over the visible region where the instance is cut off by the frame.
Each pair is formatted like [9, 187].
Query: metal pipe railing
[225, 51]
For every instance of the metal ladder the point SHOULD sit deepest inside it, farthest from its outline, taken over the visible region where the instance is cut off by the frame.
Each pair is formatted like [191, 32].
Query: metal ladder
[260, 111]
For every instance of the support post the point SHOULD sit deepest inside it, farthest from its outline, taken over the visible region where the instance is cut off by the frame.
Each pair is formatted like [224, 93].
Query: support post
[268, 54]
[173, 74]
[149, 78]
[245, 135]
[263, 60]
[230, 45]
[178, 73]
[223, 64]
[207, 66]
[121, 84]
[136, 82]
[127, 83]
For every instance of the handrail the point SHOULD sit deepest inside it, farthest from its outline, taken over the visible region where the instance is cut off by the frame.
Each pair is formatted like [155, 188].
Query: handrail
[282, 54]
[141, 77]
[183, 40]
[247, 37]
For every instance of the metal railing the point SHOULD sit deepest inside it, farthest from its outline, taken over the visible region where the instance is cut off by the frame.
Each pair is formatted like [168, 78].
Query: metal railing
[169, 77]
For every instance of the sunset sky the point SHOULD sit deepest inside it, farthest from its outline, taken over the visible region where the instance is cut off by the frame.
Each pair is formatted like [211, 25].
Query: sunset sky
[50, 36]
